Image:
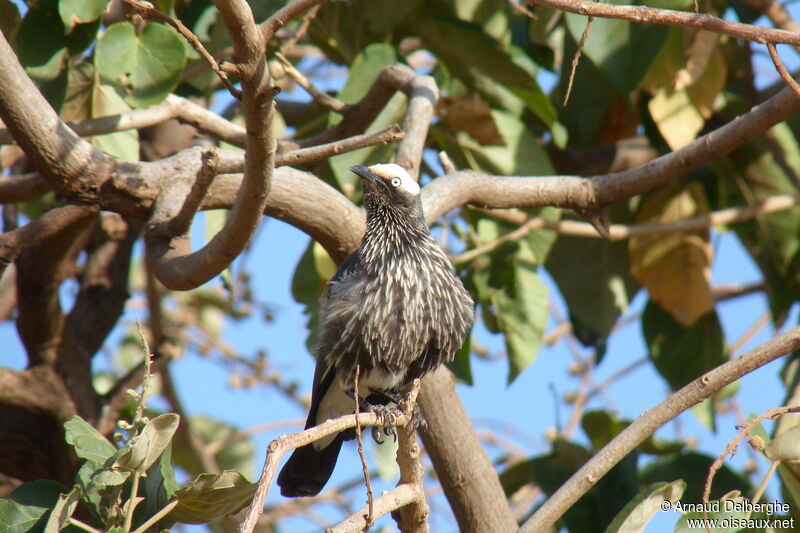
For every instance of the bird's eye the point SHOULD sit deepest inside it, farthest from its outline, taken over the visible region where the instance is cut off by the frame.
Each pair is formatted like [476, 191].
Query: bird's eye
[396, 182]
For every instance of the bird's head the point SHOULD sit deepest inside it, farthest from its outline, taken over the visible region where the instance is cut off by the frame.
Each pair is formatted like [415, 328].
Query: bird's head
[388, 184]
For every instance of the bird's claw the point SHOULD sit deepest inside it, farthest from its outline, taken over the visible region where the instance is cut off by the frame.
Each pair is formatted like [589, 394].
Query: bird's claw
[388, 419]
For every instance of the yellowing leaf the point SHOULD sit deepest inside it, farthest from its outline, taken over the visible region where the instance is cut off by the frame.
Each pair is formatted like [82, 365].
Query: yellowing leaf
[704, 91]
[676, 267]
[676, 117]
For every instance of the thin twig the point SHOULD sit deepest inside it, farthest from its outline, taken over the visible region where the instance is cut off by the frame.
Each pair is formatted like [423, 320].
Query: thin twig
[148, 10]
[651, 15]
[364, 467]
[762, 486]
[325, 100]
[619, 231]
[785, 76]
[301, 30]
[730, 449]
[577, 58]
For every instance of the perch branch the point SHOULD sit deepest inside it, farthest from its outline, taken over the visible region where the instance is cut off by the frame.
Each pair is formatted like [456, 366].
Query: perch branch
[278, 447]
[400, 496]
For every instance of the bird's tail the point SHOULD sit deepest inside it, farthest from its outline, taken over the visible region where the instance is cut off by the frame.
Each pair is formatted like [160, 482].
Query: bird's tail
[308, 469]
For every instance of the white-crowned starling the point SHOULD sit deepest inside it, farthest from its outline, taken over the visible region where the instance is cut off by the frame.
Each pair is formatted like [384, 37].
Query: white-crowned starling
[395, 307]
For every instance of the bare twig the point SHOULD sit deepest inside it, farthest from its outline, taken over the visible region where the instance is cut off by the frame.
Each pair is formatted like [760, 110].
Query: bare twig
[650, 15]
[301, 30]
[577, 58]
[785, 76]
[617, 232]
[412, 518]
[693, 393]
[423, 95]
[279, 19]
[325, 100]
[148, 10]
[369, 518]
[730, 449]
[396, 498]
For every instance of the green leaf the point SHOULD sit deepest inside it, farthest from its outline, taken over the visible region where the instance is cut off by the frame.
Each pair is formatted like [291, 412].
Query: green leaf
[74, 12]
[622, 50]
[145, 67]
[595, 301]
[17, 518]
[785, 446]
[602, 426]
[522, 316]
[519, 155]
[144, 449]
[63, 510]
[693, 467]
[159, 485]
[682, 354]
[88, 98]
[307, 287]
[596, 509]
[211, 497]
[26, 508]
[640, 510]
[88, 442]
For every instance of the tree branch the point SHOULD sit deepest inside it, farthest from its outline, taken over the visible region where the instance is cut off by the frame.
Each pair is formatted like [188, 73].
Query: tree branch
[404, 494]
[278, 447]
[650, 421]
[423, 95]
[172, 260]
[279, 19]
[469, 187]
[651, 15]
[467, 475]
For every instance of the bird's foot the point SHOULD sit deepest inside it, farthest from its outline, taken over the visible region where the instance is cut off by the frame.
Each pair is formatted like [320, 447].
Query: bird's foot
[388, 416]
[418, 419]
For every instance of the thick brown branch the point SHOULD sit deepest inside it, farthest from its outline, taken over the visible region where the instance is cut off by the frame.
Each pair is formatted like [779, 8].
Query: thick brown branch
[650, 421]
[174, 263]
[423, 96]
[650, 15]
[411, 518]
[467, 475]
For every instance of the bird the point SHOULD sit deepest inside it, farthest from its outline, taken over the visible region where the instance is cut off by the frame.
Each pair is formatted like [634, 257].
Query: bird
[395, 308]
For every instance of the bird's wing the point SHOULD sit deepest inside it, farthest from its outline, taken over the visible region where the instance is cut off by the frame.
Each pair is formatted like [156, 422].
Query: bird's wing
[348, 267]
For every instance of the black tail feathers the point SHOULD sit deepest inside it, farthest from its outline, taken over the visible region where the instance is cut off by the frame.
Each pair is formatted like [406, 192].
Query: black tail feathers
[307, 470]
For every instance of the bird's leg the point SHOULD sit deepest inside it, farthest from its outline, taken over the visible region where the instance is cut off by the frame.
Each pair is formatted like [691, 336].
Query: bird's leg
[386, 414]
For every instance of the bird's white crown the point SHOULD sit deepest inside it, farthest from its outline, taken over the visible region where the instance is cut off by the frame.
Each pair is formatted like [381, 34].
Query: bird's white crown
[390, 172]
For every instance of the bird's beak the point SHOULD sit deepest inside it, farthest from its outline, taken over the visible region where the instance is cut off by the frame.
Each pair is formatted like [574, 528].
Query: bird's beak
[364, 173]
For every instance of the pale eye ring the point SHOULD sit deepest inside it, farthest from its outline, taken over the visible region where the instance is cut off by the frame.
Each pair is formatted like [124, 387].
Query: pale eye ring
[396, 182]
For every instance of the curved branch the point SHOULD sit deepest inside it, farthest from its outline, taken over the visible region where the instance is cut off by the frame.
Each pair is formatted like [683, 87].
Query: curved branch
[22, 187]
[651, 15]
[650, 421]
[469, 187]
[172, 261]
[423, 95]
